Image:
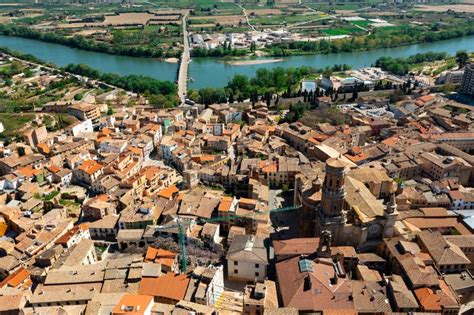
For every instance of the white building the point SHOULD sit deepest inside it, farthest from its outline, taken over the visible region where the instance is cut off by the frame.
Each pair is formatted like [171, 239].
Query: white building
[81, 127]
[113, 146]
[247, 258]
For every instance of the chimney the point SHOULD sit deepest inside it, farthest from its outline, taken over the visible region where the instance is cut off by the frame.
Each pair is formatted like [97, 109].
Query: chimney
[334, 278]
[307, 283]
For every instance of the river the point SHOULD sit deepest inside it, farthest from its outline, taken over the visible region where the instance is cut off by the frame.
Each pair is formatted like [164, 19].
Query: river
[212, 72]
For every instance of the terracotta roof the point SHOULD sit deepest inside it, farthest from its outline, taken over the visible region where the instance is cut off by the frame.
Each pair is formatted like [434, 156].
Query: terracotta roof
[311, 289]
[442, 251]
[169, 286]
[43, 148]
[28, 171]
[67, 236]
[159, 255]
[247, 201]
[132, 304]
[168, 192]
[226, 203]
[15, 278]
[428, 299]
[403, 296]
[53, 168]
[296, 246]
[456, 195]
[90, 167]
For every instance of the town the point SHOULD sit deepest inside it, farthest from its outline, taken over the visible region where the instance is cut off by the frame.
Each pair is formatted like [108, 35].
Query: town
[354, 194]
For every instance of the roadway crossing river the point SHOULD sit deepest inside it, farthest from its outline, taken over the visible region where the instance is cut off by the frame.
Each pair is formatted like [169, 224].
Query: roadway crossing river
[183, 67]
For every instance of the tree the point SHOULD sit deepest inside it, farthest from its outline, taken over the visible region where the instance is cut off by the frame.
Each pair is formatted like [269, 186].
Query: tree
[355, 95]
[327, 73]
[462, 58]
[21, 151]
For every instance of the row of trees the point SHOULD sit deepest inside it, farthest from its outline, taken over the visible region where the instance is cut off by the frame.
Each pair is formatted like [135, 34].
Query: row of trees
[136, 83]
[223, 51]
[266, 82]
[402, 66]
[81, 42]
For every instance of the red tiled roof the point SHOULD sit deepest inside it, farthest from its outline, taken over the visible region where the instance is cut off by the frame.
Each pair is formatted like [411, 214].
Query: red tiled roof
[170, 286]
[15, 278]
[168, 192]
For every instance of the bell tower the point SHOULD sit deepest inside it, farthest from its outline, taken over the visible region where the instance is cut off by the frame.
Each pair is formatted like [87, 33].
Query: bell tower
[391, 215]
[333, 188]
[331, 216]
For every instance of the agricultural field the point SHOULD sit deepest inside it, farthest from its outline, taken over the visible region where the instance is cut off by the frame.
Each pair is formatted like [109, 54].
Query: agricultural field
[468, 8]
[153, 28]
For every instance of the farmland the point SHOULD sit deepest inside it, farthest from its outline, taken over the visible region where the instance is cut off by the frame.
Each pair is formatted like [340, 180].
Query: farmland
[154, 28]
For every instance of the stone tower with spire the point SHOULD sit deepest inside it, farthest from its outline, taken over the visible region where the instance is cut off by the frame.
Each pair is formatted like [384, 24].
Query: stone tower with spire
[331, 215]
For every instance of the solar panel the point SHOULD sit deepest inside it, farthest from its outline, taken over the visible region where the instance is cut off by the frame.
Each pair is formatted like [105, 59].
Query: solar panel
[306, 265]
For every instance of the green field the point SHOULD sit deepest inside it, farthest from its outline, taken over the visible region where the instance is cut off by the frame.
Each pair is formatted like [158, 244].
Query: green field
[342, 31]
[288, 19]
[363, 24]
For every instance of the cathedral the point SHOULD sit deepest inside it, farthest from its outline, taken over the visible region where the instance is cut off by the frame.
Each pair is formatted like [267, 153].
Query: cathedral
[348, 203]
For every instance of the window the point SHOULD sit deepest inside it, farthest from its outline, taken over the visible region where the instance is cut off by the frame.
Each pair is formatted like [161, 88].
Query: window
[236, 263]
[236, 271]
[257, 274]
[257, 266]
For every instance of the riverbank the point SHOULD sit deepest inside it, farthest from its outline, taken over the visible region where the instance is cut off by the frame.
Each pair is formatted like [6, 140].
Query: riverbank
[252, 62]
[338, 45]
[214, 72]
[171, 60]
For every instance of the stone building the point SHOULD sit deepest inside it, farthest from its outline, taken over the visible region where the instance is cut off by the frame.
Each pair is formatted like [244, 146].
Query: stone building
[344, 206]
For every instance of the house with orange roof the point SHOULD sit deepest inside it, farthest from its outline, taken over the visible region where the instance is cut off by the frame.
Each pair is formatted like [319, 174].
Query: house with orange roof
[74, 236]
[169, 192]
[226, 209]
[29, 172]
[425, 100]
[442, 300]
[169, 289]
[167, 259]
[87, 172]
[17, 279]
[43, 148]
[134, 304]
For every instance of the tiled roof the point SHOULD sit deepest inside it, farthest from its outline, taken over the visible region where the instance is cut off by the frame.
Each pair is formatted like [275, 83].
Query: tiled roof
[169, 286]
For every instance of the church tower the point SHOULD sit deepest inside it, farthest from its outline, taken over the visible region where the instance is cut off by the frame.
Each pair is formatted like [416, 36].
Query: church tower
[331, 215]
[391, 215]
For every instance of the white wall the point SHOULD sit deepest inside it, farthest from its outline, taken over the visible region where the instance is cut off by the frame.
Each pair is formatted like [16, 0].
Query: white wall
[246, 271]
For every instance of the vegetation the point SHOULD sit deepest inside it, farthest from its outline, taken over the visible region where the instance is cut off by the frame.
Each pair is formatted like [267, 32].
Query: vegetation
[136, 83]
[264, 85]
[402, 66]
[81, 42]
[462, 58]
[14, 122]
[311, 115]
[379, 38]
[225, 50]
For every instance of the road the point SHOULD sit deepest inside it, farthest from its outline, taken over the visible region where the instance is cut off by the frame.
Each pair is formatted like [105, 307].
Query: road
[183, 67]
[246, 16]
